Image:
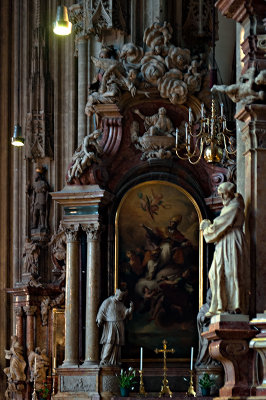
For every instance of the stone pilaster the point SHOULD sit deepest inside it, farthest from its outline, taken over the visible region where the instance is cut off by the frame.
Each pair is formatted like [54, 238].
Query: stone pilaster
[92, 293]
[254, 135]
[30, 312]
[19, 324]
[259, 344]
[71, 301]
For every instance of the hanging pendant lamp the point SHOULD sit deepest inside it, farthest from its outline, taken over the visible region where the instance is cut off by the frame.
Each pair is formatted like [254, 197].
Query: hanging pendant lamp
[17, 139]
[62, 26]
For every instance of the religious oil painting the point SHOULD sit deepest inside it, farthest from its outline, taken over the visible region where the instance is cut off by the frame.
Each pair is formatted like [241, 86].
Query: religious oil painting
[159, 263]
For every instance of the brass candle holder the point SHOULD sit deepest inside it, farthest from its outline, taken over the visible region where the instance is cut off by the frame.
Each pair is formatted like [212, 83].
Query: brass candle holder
[34, 394]
[191, 392]
[53, 389]
[141, 384]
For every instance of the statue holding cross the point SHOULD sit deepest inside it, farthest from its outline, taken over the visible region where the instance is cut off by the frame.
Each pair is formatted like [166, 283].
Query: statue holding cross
[165, 387]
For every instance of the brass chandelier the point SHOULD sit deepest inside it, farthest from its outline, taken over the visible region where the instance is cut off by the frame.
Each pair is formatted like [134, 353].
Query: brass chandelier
[211, 139]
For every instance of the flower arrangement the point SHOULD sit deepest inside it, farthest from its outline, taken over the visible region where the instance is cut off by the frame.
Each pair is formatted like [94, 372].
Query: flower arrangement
[127, 379]
[43, 392]
[206, 381]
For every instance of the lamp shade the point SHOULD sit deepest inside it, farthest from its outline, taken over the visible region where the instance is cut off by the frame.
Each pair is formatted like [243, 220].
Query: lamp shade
[17, 139]
[62, 26]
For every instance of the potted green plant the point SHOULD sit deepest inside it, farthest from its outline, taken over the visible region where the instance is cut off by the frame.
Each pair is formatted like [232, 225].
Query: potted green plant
[206, 382]
[127, 380]
[43, 392]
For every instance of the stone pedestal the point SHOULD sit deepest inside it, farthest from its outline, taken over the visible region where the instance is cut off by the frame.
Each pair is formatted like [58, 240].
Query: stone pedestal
[230, 336]
[259, 344]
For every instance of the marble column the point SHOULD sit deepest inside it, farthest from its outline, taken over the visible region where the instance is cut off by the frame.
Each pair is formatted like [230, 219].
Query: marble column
[71, 300]
[92, 294]
[30, 342]
[19, 324]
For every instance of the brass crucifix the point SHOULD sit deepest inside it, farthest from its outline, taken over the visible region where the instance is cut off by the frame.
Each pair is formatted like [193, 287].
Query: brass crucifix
[165, 387]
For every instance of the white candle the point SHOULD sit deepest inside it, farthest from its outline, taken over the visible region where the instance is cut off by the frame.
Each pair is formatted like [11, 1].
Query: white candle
[190, 115]
[222, 109]
[54, 366]
[186, 125]
[35, 365]
[141, 358]
[202, 110]
[176, 137]
[188, 142]
[191, 359]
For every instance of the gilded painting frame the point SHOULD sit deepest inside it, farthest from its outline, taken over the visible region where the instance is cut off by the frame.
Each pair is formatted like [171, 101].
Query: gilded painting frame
[145, 194]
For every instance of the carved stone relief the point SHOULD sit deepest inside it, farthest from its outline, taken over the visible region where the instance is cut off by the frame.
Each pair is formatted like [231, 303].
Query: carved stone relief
[158, 139]
[85, 155]
[16, 371]
[96, 16]
[163, 69]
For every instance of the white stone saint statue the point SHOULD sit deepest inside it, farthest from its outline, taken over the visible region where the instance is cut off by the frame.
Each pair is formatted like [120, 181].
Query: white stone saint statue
[111, 315]
[228, 274]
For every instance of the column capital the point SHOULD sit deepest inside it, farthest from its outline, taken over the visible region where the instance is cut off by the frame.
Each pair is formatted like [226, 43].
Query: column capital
[18, 311]
[254, 131]
[71, 232]
[93, 230]
[30, 310]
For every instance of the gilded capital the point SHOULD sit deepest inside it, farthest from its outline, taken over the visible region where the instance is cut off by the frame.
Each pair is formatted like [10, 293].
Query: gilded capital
[93, 230]
[71, 232]
[18, 311]
[30, 310]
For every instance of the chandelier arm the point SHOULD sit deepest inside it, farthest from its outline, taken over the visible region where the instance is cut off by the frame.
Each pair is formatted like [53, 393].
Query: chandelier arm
[201, 150]
[181, 158]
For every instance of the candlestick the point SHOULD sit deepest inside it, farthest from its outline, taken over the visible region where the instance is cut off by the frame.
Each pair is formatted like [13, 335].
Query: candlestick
[191, 359]
[191, 391]
[141, 358]
[176, 137]
[141, 384]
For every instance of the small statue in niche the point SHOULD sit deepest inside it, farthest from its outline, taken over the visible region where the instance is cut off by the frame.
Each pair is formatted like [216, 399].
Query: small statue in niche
[111, 315]
[158, 124]
[228, 273]
[15, 372]
[31, 254]
[39, 201]
[203, 322]
[38, 365]
[86, 154]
